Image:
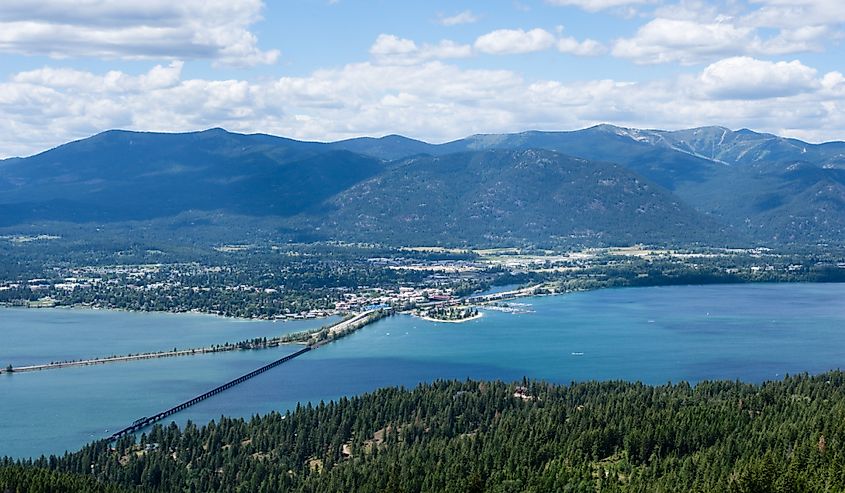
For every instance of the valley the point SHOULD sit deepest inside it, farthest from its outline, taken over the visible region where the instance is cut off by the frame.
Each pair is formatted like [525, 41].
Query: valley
[417, 262]
[576, 246]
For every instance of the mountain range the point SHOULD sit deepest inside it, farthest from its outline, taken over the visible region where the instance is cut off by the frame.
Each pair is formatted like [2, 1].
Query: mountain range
[597, 186]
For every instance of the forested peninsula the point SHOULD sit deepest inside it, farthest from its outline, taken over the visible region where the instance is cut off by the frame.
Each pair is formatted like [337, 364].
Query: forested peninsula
[784, 435]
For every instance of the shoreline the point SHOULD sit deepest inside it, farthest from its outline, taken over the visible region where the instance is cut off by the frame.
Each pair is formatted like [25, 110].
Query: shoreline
[510, 296]
[83, 307]
[311, 338]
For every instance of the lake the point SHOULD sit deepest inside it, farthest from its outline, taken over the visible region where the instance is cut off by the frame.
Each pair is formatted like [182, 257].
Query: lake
[659, 334]
[31, 336]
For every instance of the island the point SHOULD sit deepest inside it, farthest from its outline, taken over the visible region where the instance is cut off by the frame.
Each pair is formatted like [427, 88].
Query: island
[450, 314]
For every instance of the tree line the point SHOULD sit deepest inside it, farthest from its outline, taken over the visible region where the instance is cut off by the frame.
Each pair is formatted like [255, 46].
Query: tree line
[492, 436]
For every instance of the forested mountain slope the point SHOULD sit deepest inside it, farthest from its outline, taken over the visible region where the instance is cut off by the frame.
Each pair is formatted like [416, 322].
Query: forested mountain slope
[707, 184]
[118, 176]
[471, 436]
[511, 197]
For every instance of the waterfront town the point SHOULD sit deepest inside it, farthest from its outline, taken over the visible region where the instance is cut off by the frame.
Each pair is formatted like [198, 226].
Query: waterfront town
[303, 282]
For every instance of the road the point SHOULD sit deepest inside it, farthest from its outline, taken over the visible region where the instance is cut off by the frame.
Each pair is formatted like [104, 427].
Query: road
[354, 323]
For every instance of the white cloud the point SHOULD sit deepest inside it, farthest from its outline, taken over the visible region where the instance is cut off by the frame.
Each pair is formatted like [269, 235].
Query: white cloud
[797, 40]
[596, 5]
[685, 41]
[694, 10]
[588, 47]
[152, 29]
[447, 49]
[670, 40]
[797, 13]
[747, 78]
[430, 100]
[114, 81]
[389, 44]
[392, 49]
[465, 17]
[833, 83]
[514, 41]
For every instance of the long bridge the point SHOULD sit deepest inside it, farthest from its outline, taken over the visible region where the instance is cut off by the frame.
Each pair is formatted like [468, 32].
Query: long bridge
[504, 295]
[118, 359]
[332, 333]
[148, 420]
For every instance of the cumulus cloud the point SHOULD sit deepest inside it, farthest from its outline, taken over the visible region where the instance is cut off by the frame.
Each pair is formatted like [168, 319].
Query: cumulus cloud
[795, 14]
[671, 40]
[392, 49]
[187, 29]
[748, 78]
[431, 100]
[797, 40]
[114, 81]
[465, 17]
[588, 47]
[596, 5]
[514, 41]
[389, 44]
[685, 41]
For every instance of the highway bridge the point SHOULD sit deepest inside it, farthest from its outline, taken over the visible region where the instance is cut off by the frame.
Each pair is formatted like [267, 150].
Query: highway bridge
[141, 423]
[504, 295]
[332, 333]
[353, 323]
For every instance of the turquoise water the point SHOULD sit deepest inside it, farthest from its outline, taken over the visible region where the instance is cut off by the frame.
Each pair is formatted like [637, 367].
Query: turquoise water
[32, 336]
[747, 332]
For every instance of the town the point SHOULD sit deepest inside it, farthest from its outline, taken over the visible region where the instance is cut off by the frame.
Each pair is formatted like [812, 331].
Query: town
[309, 281]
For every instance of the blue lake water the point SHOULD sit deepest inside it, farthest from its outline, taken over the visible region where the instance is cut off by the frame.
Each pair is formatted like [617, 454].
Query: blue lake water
[747, 332]
[32, 336]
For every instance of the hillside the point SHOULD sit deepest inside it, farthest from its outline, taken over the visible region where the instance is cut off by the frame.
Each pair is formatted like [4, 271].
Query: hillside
[511, 197]
[770, 188]
[118, 176]
[390, 147]
[708, 184]
[744, 147]
[491, 436]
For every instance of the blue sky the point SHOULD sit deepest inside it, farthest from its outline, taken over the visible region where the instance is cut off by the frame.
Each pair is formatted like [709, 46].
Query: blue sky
[435, 70]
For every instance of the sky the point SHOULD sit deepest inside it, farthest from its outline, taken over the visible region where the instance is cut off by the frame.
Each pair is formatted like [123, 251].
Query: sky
[432, 70]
